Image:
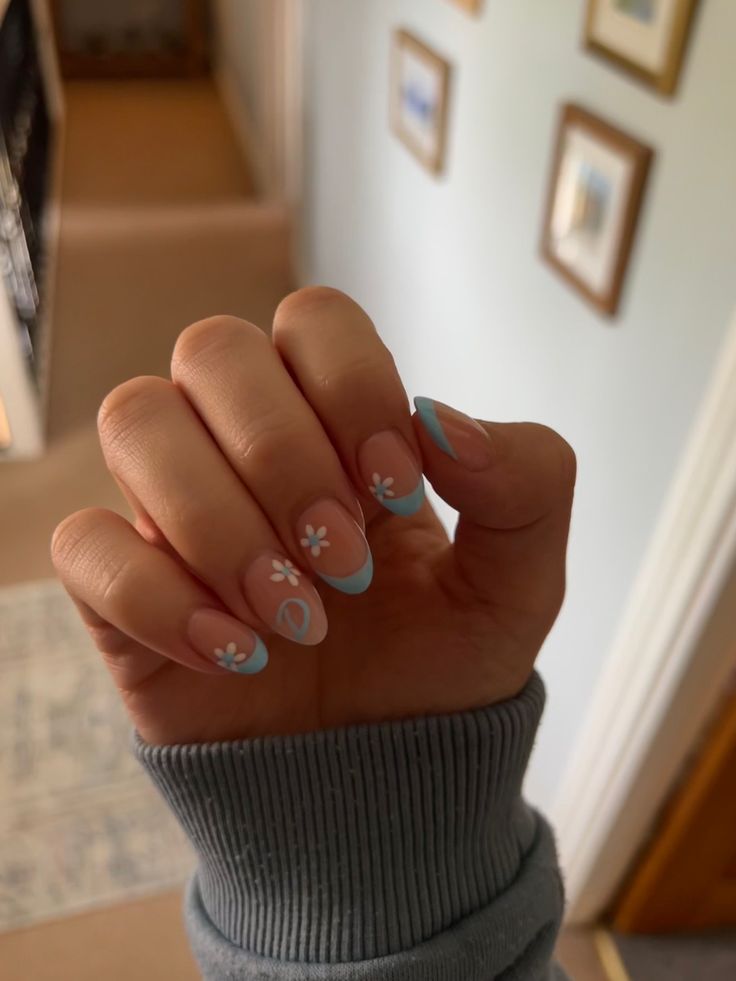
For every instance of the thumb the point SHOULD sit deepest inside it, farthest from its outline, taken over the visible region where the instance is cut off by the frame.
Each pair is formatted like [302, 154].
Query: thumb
[512, 484]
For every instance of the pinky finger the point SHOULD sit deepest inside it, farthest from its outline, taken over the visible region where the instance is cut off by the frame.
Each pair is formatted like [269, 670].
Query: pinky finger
[125, 587]
[130, 663]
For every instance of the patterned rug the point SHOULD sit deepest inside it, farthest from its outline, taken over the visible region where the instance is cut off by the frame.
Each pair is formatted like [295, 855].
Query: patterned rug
[80, 824]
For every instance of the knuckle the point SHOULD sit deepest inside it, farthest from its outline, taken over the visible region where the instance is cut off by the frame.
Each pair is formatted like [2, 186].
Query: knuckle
[309, 298]
[360, 377]
[308, 305]
[82, 555]
[72, 539]
[263, 443]
[130, 406]
[210, 339]
[562, 459]
[118, 582]
[568, 463]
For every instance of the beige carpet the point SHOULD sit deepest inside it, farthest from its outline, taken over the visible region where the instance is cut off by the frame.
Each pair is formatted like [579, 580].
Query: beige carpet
[141, 941]
[151, 142]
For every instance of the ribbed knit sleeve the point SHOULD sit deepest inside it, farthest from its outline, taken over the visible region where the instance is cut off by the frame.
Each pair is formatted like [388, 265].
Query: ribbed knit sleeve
[397, 851]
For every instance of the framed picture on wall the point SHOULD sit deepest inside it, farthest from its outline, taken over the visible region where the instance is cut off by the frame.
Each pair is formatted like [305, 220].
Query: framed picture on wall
[645, 37]
[596, 188]
[420, 89]
[472, 6]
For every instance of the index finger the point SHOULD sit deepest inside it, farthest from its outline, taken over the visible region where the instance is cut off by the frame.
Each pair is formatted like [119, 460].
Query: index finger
[349, 378]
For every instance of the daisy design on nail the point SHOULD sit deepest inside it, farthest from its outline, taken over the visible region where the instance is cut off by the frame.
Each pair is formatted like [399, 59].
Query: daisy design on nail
[230, 658]
[315, 541]
[381, 487]
[285, 571]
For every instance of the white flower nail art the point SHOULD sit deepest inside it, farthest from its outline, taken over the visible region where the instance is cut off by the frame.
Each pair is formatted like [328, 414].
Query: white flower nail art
[315, 541]
[231, 657]
[381, 487]
[285, 571]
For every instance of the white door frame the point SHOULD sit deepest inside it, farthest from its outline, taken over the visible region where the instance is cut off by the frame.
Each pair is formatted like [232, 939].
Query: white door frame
[665, 673]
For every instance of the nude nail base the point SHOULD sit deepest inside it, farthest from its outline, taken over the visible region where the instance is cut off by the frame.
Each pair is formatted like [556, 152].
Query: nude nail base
[226, 642]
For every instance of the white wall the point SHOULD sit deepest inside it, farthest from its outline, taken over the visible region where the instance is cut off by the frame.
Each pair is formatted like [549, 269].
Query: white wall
[449, 269]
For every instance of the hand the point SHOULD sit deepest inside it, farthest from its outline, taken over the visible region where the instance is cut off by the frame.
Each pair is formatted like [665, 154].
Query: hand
[258, 454]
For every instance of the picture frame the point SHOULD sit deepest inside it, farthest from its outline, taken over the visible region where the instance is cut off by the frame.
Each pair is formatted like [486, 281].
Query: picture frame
[420, 95]
[646, 38]
[471, 6]
[596, 188]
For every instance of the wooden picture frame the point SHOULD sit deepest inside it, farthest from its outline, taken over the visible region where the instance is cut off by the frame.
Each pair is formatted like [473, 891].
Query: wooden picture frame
[188, 60]
[596, 188]
[471, 6]
[420, 94]
[645, 40]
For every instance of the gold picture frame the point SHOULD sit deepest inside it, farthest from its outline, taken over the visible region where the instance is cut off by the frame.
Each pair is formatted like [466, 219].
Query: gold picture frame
[596, 189]
[471, 6]
[646, 40]
[420, 95]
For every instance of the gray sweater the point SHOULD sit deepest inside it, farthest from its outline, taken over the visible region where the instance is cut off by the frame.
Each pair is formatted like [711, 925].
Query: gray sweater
[399, 851]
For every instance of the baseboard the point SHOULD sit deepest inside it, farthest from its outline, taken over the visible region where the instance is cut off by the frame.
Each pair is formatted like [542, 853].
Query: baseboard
[608, 955]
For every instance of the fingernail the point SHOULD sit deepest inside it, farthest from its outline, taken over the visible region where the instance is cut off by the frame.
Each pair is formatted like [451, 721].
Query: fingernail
[227, 642]
[285, 599]
[335, 547]
[391, 472]
[456, 434]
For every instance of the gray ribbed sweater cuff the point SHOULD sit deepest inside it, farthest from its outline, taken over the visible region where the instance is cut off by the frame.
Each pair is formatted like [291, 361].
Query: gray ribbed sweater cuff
[364, 842]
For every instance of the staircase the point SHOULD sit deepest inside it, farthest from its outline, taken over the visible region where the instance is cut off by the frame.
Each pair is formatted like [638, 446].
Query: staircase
[160, 226]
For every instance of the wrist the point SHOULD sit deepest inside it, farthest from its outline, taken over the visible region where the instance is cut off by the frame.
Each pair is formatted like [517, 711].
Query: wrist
[424, 814]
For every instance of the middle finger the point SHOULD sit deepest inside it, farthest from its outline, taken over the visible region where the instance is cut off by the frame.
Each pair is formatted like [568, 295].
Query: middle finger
[235, 379]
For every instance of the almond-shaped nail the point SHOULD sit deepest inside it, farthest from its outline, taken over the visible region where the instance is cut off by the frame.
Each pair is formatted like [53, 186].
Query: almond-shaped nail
[283, 597]
[226, 642]
[391, 472]
[335, 547]
[457, 435]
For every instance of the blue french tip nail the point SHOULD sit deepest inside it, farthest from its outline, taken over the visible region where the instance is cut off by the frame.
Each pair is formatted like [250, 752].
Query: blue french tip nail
[258, 659]
[428, 418]
[407, 505]
[358, 582]
[255, 662]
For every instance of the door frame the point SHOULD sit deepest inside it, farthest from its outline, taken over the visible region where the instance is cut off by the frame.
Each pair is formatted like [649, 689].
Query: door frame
[666, 670]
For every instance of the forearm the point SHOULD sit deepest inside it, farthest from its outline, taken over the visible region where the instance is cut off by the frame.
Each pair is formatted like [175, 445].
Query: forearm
[398, 851]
